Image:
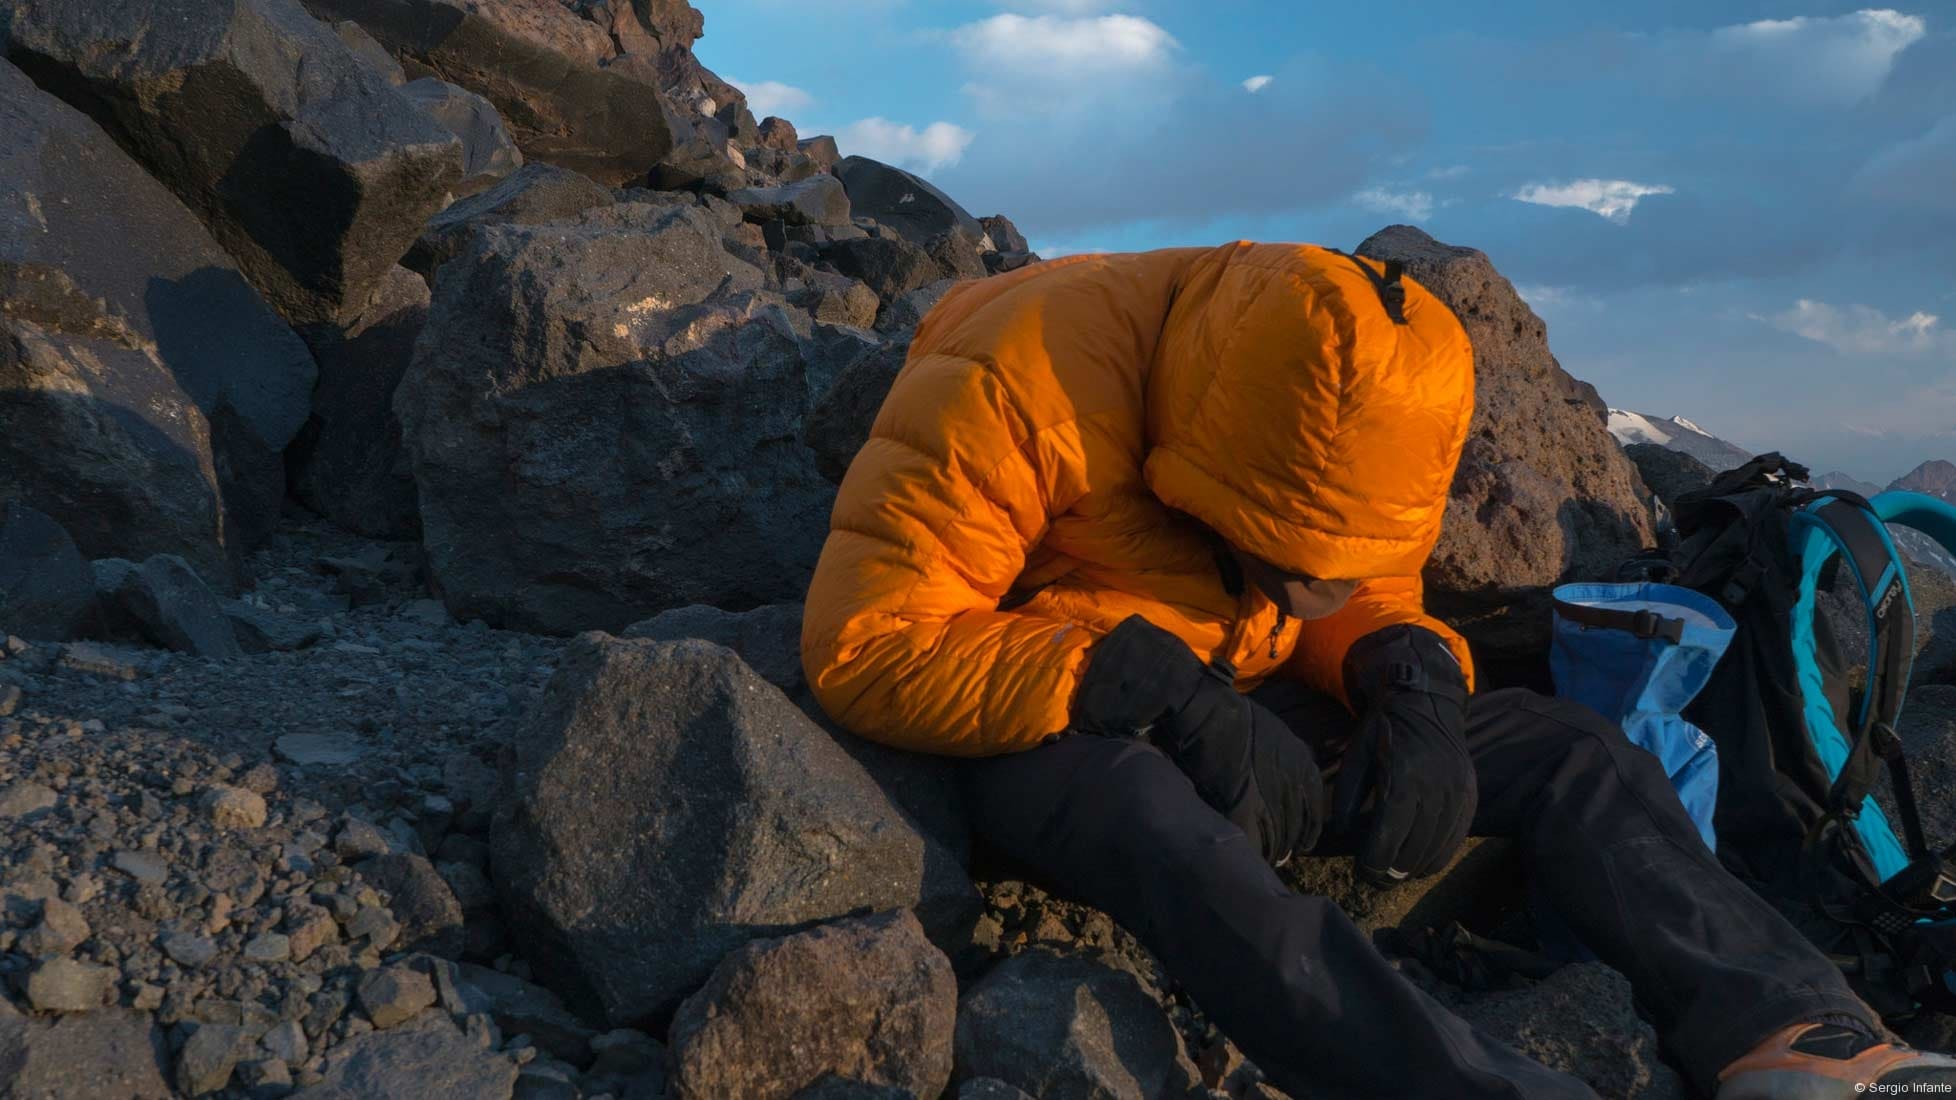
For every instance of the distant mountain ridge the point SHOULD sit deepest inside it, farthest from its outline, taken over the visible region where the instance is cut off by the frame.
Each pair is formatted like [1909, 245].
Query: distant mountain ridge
[1935, 478]
[1678, 434]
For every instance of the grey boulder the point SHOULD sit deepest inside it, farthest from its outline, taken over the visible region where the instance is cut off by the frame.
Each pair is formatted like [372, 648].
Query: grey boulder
[838, 425]
[904, 202]
[47, 592]
[1542, 493]
[532, 195]
[868, 1001]
[426, 1059]
[817, 200]
[308, 167]
[601, 418]
[488, 153]
[164, 602]
[148, 390]
[669, 806]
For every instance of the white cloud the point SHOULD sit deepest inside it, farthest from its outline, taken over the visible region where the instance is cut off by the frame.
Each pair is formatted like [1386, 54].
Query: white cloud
[1450, 172]
[1612, 199]
[1063, 48]
[1256, 84]
[1838, 57]
[1864, 330]
[938, 145]
[771, 97]
[1417, 205]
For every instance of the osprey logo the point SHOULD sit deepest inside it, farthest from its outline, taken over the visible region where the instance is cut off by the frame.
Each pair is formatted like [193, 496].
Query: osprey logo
[1881, 609]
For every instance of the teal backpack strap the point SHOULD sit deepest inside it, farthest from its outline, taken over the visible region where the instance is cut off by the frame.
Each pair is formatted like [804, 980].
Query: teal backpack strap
[1843, 524]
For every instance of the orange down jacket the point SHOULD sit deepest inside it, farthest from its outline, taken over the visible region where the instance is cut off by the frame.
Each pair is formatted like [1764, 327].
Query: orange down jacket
[1061, 442]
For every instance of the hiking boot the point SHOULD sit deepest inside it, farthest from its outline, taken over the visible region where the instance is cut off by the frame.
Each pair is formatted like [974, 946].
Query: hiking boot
[1814, 1061]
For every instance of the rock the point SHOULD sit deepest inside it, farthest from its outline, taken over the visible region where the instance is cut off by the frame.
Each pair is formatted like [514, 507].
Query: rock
[47, 591]
[146, 391]
[343, 170]
[903, 202]
[394, 994]
[544, 68]
[92, 659]
[1005, 236]
[61, 930]
[536, 194]
[488, 154]
[112, 1054]
[307, 929]
[837, 300]
[287, 1043]
[891, 266]
[209, 1056]
[1477, 887]
[1069, 1028]
[778, 133]
[348, 464]
[267, 947]
[547, 346]
[1667, 473]
[1542, 493]
[23, 797]
[817, 200]
[144, 867]
[164, 602]
[65, 985]
[990, 1088]
[187, 949]
[430, 917]
[669, 805]
[370, 53]
[1580, 1020]
[519, 1007]
[868, 1000]
[821, 151]
[838, 425]
[431, 1061]
[767, 638]
[262, 631]
[902, 316]
[327, 749]
[706, 162]
[998, 263]
[955, 257]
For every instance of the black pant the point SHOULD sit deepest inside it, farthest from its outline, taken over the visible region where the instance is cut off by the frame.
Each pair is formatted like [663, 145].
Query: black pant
[1112, 823]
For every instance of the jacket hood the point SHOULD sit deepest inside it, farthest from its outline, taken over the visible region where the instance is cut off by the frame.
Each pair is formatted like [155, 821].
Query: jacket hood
[1290, 413]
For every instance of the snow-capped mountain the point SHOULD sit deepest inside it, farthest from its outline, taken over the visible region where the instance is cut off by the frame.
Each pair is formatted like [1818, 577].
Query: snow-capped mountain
[1678, 434]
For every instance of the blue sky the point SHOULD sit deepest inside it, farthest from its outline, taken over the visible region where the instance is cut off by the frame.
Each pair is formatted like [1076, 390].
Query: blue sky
[1743, 213]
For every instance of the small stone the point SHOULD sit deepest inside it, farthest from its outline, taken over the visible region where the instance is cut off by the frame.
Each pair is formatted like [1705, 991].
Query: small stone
[234, 808]
[375, 925]
[260, 780]
[9, 699]
[264, 1077]
[268, 947]
[330, 749]
[64, 985]
[25, 797]
[144, 867]
[62, 929]
[209, 1057]
[93, 659]
[287, 1043]
[186, 948]
[146, 997]
[394, 994]
[308, 928]
[357, 840]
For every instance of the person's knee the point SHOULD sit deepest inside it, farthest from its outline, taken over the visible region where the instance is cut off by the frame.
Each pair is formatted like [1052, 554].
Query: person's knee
[1586, 743]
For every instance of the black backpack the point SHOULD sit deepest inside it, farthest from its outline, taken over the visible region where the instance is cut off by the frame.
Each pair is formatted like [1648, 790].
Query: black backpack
[1800, 747]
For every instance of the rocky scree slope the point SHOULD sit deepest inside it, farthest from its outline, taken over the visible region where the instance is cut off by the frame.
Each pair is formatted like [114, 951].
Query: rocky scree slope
[418, 421]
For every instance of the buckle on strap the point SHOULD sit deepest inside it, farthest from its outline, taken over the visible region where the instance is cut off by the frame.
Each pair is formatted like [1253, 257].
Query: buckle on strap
[1646, 623]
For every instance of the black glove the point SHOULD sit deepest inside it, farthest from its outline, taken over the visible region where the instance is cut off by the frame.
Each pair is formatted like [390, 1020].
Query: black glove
[1409, 758]
[1142, 681]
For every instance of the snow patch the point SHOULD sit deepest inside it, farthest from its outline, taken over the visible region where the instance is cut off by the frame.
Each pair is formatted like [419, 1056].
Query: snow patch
[1629, 427]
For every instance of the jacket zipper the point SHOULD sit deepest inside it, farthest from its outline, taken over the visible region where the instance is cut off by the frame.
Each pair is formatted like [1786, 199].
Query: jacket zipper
[1275, 631]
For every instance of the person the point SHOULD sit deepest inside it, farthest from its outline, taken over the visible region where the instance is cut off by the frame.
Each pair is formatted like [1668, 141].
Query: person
[1140, 538]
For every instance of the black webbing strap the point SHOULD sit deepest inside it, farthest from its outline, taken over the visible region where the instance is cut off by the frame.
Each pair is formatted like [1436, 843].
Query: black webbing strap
[1644, 623]
[1392, 292]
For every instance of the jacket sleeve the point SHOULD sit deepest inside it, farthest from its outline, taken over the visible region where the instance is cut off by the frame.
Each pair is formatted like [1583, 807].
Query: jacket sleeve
[1319, 659]
[903, 641]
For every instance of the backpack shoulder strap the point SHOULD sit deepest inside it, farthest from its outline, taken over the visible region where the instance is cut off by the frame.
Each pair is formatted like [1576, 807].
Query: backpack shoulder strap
[1842, 523]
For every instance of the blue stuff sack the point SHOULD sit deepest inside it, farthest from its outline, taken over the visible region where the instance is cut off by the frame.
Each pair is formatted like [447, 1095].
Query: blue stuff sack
[1638, 654]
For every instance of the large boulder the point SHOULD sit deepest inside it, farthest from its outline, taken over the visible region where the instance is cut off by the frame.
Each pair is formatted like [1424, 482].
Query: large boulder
[817, 200]
[164, 602]
[532, 195]
[1068, 1027]
[601, 418]
[838, 425]
[146, 391]
[488, 152]
[1542, 494]
[424, 1060]
[110, 1054]
[310, 169]
[892, 266]
[867, 1001]
[668, 805]
[47, 592]
[549, 70]
[348, 464]
[904, 202]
